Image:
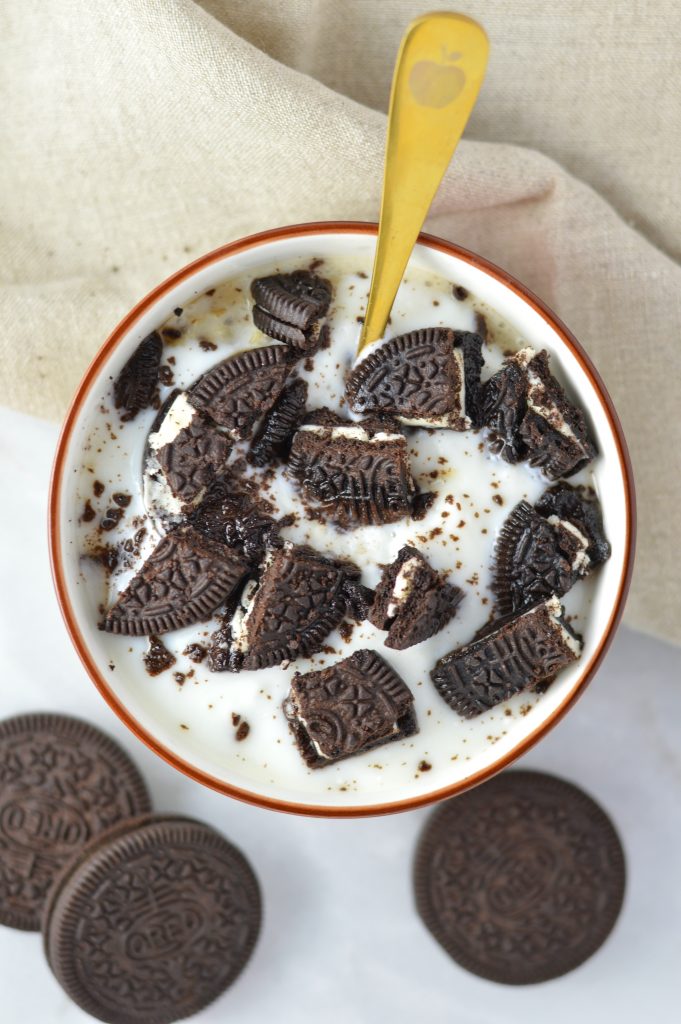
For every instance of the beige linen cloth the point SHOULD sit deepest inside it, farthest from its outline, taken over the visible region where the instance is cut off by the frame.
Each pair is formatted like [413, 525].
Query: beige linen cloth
[136, 135]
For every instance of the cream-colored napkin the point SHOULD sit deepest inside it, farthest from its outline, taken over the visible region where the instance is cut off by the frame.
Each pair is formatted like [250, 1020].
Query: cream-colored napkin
[139, 134]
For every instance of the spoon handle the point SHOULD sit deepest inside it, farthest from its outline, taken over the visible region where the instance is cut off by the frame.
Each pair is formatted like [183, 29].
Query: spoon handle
[438, 73]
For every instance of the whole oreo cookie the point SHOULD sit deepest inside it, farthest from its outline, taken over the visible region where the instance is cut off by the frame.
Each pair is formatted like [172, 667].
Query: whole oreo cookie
[152, 922]
[520, 880]
[61, 782]
[135, 385]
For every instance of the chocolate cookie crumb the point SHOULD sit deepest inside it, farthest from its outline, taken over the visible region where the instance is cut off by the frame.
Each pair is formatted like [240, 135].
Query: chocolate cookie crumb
[243, 731]
[195, 653]
[157, 658]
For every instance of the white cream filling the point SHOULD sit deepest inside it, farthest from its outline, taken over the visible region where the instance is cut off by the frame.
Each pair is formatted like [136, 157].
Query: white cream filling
[239, 625]
[554, 609]
[351, 433]
[550, 413]
[581, 561]
[403, 585]
[158, 496]
[179, 415]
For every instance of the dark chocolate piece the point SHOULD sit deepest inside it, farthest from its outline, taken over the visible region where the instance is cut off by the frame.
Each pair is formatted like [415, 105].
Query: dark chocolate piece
[61, 782]
[233, 516]
[273, 439]
[353, 706]
[135, 385]
[153, 921]
[535, 558]
[515, 654]
[553, 430]
[183, 581]
[300, 597]
[239, 390]
[429, 377]
[412, 601]
[358, 477]
[580, 507]
[520, 880]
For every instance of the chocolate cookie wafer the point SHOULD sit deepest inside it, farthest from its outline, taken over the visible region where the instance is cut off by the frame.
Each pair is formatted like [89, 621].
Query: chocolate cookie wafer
[535, 558]
[520, 880]
[412, 601]
[274, 436]
[299, 598]
[349, 708]
[288, 307]
[183, 581]
[231, 514]
[580, 508]
[153, 921]
[185, 453]
[135, 386]
[517, 653]
[240, 389]
[427, 378]
[61, 782]
[358, 473]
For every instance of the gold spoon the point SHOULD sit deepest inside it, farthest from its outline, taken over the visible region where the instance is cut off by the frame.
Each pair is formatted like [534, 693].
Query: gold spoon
[438, 73]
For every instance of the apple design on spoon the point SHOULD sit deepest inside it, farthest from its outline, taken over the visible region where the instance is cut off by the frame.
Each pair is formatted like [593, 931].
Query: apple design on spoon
[437, 83]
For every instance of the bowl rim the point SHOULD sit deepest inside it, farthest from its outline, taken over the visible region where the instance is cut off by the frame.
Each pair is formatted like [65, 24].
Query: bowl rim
[54, 528]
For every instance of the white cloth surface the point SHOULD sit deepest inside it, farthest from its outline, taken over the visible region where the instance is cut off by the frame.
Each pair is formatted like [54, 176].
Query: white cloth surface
[341, 940]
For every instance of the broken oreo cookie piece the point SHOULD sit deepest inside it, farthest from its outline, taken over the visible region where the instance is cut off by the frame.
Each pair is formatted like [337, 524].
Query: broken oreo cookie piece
[232, 515]
[427, 378]
[358, 474]
[516, 653]
[288, 307]
[185, 453]
[135, 386]
[240, 389]
[349, 708]
[183, 581]
[580, 507]
[299, 598]
[273, 439]
[535, 558]
[530, 418]
[412, 601]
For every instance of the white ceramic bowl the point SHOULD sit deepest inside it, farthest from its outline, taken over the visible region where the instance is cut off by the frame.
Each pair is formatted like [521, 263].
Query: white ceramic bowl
[142, 707]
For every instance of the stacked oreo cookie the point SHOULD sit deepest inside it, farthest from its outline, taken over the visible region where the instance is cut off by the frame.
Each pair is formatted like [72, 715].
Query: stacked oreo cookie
[129, 902]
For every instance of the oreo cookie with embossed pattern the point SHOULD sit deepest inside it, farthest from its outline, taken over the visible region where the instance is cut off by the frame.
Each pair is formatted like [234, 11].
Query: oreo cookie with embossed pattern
[536, 557]
[516, 653]
[240, 389]
[520, 880]
[428, 378]
[349, 708]
[288, 307]
[135, 385]
[183, 581]
[185, 453]
[288, 613]
[412, 601]
[273, 439]
[61, 782]
[152, 921]
[358, 472]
